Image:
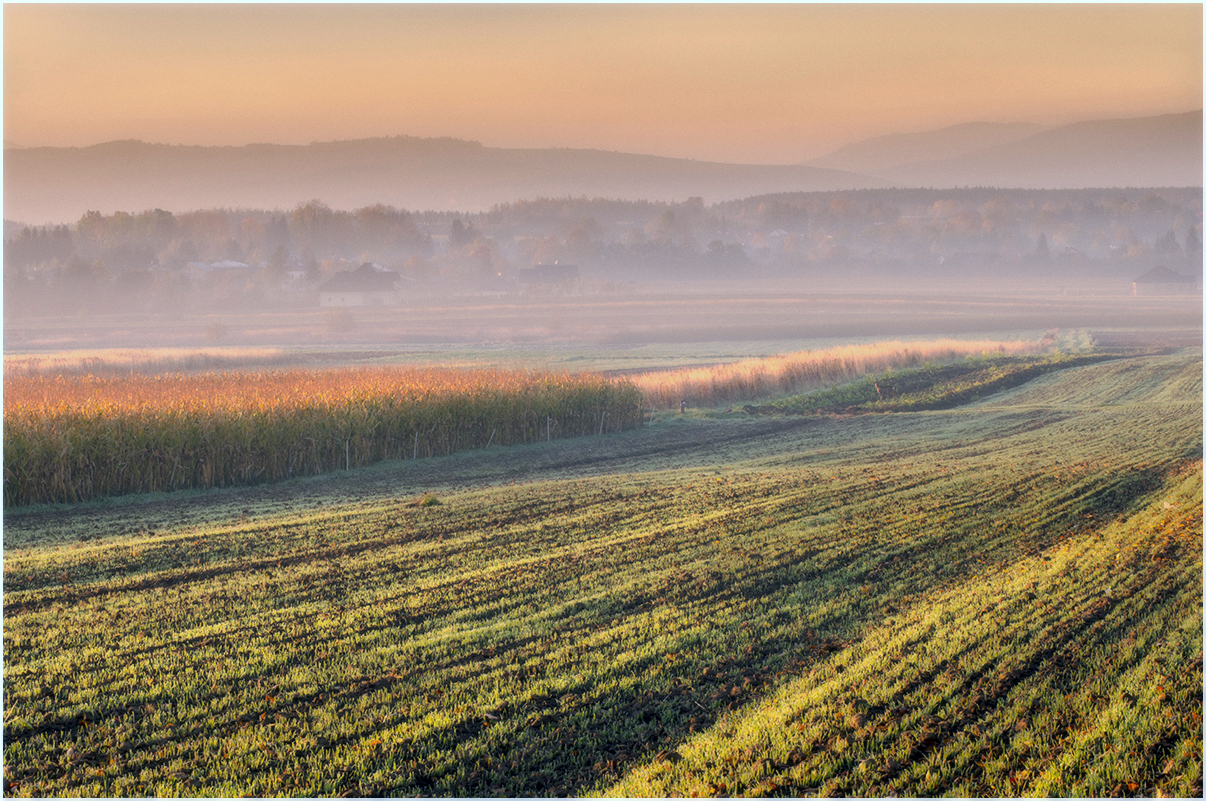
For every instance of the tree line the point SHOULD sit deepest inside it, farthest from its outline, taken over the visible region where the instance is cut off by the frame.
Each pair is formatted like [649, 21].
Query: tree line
[899, 232]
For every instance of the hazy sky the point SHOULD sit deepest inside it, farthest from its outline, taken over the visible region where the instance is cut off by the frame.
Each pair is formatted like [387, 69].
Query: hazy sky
[741, 83]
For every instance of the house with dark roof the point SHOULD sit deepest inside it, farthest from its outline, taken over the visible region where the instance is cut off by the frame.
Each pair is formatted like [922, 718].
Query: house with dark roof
[367, 285]
[1162, 281]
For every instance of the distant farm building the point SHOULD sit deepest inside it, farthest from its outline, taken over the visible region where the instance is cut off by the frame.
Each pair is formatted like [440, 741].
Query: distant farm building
[1163, 281]
[367, 285]
[549, 274]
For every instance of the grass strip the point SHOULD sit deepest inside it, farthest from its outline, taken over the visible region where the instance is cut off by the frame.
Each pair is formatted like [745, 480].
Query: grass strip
[930, 387]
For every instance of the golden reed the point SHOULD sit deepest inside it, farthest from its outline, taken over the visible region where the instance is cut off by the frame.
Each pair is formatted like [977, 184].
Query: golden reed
[72, 438]
[751, 379]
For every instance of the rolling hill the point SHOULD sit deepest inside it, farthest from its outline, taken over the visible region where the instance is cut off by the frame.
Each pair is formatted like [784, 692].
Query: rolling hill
[60, 184]
[1165, 150]
[48, 184]
[880, 153]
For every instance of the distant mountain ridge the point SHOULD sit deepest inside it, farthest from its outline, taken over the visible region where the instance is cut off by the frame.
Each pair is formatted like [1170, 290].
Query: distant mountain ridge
[881, 153]
[1164, 150]
[60, 184]
[44, 184]
[1144, 151]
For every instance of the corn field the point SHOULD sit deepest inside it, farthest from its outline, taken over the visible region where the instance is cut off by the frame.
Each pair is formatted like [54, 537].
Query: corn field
[70, 439]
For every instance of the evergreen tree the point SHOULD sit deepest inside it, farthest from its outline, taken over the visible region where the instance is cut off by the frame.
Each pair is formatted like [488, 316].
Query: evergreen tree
[1193, 246]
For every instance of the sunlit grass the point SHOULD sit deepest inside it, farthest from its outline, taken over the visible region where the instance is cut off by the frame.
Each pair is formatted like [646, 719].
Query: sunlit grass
[1002, 599]
[933, 386]
[1075, 670]
[751, 379]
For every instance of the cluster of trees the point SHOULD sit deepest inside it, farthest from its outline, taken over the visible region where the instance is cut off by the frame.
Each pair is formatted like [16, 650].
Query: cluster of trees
[897, 231]
[995, 225]
[133, 256]
[607, 238]
[901, 233]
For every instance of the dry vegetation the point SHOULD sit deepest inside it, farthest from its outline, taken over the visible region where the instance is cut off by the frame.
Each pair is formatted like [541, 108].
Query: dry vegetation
[750, 379]
[72, 438]
[89, 424]
[144, 361]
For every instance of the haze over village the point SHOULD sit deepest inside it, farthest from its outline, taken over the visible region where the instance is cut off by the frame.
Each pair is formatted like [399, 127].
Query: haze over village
[646, 148]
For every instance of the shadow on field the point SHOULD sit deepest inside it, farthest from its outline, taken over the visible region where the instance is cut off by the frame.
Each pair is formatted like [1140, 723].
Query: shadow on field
[679, 443]
[351, 640]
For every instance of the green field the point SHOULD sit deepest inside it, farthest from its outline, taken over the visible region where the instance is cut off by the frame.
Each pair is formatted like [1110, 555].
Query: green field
[933, 386]
[1000, 599]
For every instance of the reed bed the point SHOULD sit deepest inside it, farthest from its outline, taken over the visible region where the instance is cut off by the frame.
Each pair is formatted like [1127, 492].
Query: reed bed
[72, 438]
[153, 361]
[768, 377]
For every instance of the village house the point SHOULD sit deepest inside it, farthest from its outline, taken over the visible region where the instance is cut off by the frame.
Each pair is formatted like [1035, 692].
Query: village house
[1162, 281]
[367, 285]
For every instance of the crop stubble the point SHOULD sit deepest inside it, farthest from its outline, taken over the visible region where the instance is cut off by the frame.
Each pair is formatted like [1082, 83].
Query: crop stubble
[1001, 599]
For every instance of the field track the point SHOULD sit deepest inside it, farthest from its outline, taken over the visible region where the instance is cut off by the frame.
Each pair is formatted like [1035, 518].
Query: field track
[1001, 599]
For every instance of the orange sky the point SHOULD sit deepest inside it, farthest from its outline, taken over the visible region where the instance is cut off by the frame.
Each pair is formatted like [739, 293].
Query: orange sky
[740, 83]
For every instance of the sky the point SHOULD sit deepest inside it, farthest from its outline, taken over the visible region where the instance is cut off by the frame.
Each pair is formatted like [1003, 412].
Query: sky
[754, 84]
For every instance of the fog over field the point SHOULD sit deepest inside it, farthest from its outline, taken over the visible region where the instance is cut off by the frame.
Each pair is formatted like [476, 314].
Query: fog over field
[865, 259]
[629, 180]
[581, 271]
